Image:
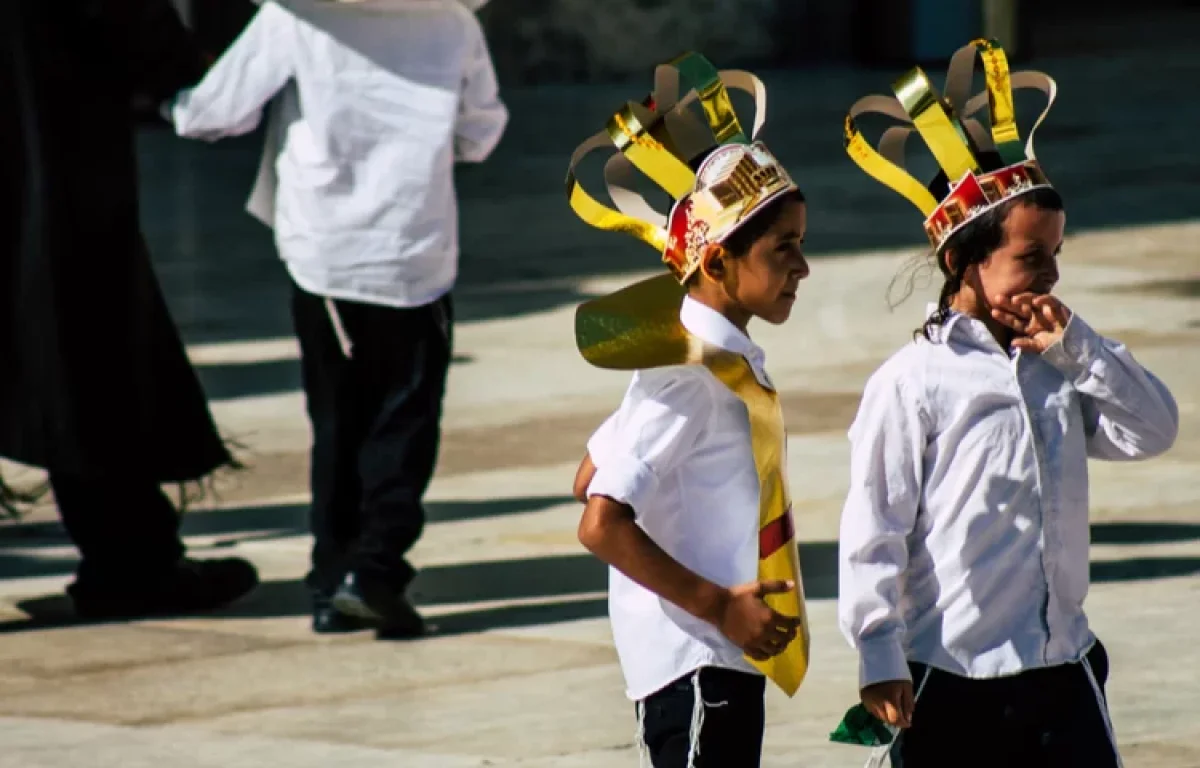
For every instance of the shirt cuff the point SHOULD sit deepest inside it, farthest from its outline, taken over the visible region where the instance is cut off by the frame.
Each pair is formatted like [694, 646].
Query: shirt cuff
[624, 479]
[1074, 352]
[881, 659]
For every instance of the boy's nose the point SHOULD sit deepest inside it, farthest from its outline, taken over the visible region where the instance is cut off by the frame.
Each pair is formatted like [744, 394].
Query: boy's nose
[800, 268]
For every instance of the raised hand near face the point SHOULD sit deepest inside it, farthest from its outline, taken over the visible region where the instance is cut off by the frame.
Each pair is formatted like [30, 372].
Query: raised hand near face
[1037, 320]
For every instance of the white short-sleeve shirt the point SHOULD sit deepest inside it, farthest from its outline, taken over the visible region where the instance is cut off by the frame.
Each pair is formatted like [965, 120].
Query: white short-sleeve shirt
[678, 451]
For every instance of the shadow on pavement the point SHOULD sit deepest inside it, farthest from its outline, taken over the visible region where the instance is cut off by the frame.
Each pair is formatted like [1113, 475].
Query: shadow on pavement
[251, 523]
[564, 585]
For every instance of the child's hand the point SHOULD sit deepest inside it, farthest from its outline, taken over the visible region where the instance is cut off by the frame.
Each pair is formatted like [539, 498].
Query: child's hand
[892, 702]
[1039, 320]
[751, 624]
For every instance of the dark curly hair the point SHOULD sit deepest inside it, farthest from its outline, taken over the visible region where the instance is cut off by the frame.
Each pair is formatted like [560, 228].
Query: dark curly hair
[977, 240]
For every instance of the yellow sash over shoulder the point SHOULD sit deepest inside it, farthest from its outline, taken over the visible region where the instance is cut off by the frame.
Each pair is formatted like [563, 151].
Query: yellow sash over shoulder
[639, 328]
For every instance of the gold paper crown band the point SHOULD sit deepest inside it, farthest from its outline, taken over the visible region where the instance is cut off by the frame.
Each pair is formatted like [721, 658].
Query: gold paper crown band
[658, 137]
[955, 137]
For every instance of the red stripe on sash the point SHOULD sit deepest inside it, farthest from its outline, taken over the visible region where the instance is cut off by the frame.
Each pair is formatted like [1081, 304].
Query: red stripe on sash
[774, 535]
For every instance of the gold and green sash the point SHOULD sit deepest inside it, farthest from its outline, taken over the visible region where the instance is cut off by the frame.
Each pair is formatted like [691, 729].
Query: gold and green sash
[639, 328]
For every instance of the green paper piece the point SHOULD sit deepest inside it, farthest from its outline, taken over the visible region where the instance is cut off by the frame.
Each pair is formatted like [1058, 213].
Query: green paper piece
[860, 728]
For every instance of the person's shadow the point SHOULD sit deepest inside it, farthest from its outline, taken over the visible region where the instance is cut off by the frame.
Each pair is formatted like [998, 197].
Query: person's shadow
[470, 596]
[528, 591]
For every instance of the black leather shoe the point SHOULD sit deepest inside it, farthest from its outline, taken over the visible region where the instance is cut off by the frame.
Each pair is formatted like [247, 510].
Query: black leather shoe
[328, 620]
[373, 600]
[190, 586]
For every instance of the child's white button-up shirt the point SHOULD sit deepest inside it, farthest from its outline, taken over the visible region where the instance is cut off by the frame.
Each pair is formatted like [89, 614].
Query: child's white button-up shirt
[678, 452]
[376, 101]
[964, 538]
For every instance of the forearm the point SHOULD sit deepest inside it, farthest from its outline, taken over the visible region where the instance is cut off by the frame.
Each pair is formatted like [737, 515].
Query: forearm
[619, 541]
[1132, 413]
[230, 99]
[583, 478]
[869, 616]
[872, 556]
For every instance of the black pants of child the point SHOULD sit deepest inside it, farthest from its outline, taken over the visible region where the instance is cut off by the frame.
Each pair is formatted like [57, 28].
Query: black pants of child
[712, 718]
[1055, 717]
[374, 378]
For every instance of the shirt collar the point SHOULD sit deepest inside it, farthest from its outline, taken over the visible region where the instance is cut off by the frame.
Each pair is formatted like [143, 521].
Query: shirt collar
[712, 327]
[963, 325]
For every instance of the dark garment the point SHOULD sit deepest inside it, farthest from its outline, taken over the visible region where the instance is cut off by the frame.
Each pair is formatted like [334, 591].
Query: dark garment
[124, 528]
[94, 379]
[1044, 718]
[376, 423]
[731, 726]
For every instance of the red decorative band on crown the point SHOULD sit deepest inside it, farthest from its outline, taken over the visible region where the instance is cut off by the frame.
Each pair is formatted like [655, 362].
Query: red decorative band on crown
[974, 195]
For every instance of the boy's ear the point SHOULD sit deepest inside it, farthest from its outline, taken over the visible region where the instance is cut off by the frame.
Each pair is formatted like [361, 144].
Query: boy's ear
[948, 258]
[713, 262]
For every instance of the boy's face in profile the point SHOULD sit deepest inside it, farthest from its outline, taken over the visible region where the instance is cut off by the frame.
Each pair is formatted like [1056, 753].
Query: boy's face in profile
[763, 281]
[1027, 260]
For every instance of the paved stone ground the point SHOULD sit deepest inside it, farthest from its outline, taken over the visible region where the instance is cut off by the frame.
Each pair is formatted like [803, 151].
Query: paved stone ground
[521, 671]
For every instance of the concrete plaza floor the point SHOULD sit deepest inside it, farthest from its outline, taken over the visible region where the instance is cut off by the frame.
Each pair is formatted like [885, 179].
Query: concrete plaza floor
[521, 670]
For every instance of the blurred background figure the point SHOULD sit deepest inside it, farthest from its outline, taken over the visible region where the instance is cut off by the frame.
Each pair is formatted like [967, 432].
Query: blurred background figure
[374, 101]
[96, 387]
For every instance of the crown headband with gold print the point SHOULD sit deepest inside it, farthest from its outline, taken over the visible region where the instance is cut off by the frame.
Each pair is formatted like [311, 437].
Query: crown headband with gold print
[955, 137]
[658, 136]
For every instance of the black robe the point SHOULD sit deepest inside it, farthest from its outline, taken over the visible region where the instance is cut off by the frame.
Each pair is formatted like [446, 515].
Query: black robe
[94, 380]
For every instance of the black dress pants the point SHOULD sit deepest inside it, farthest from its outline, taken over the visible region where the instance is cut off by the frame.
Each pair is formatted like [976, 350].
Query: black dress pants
[375, 416]
[1045, 718]
[714, 718]
[125, 528]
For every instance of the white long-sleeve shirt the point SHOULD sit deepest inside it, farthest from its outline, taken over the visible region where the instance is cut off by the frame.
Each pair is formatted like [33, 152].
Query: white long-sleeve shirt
[678, 451]
[964, 538]
[376, 100]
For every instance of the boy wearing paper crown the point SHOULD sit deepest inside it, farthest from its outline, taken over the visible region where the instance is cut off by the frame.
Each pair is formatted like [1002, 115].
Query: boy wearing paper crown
[687, 499]
[964, 538]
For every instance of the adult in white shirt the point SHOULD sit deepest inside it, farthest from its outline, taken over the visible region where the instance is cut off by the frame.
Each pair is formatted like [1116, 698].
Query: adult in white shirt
[374, 102]
[964, 539]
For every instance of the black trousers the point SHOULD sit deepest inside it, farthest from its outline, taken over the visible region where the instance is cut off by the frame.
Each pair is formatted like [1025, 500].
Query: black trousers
[731, 721]
[124, 528]
[376, 418]
[1044, 718]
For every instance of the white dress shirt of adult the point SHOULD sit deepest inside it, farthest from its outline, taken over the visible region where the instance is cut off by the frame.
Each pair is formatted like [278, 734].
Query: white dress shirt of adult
[678, 452]
[964, 538]
[374, 101]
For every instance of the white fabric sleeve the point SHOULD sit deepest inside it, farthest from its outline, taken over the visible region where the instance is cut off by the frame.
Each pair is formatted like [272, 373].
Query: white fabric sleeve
[1128, 413]
[886, 470]
[482, 116]
[229, 100]
[659, 424]
[598, 444]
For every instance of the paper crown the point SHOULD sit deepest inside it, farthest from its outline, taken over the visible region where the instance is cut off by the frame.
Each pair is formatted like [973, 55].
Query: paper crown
[955, 137]
[659, 137]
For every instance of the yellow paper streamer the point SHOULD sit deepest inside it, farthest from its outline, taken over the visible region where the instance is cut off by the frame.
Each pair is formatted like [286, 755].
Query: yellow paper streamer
[936, 123]
[884, 171]
[1005, 132]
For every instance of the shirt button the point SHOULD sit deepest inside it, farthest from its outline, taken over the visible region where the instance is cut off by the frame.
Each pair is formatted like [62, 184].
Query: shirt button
[1009, 712]
[1046, 738]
